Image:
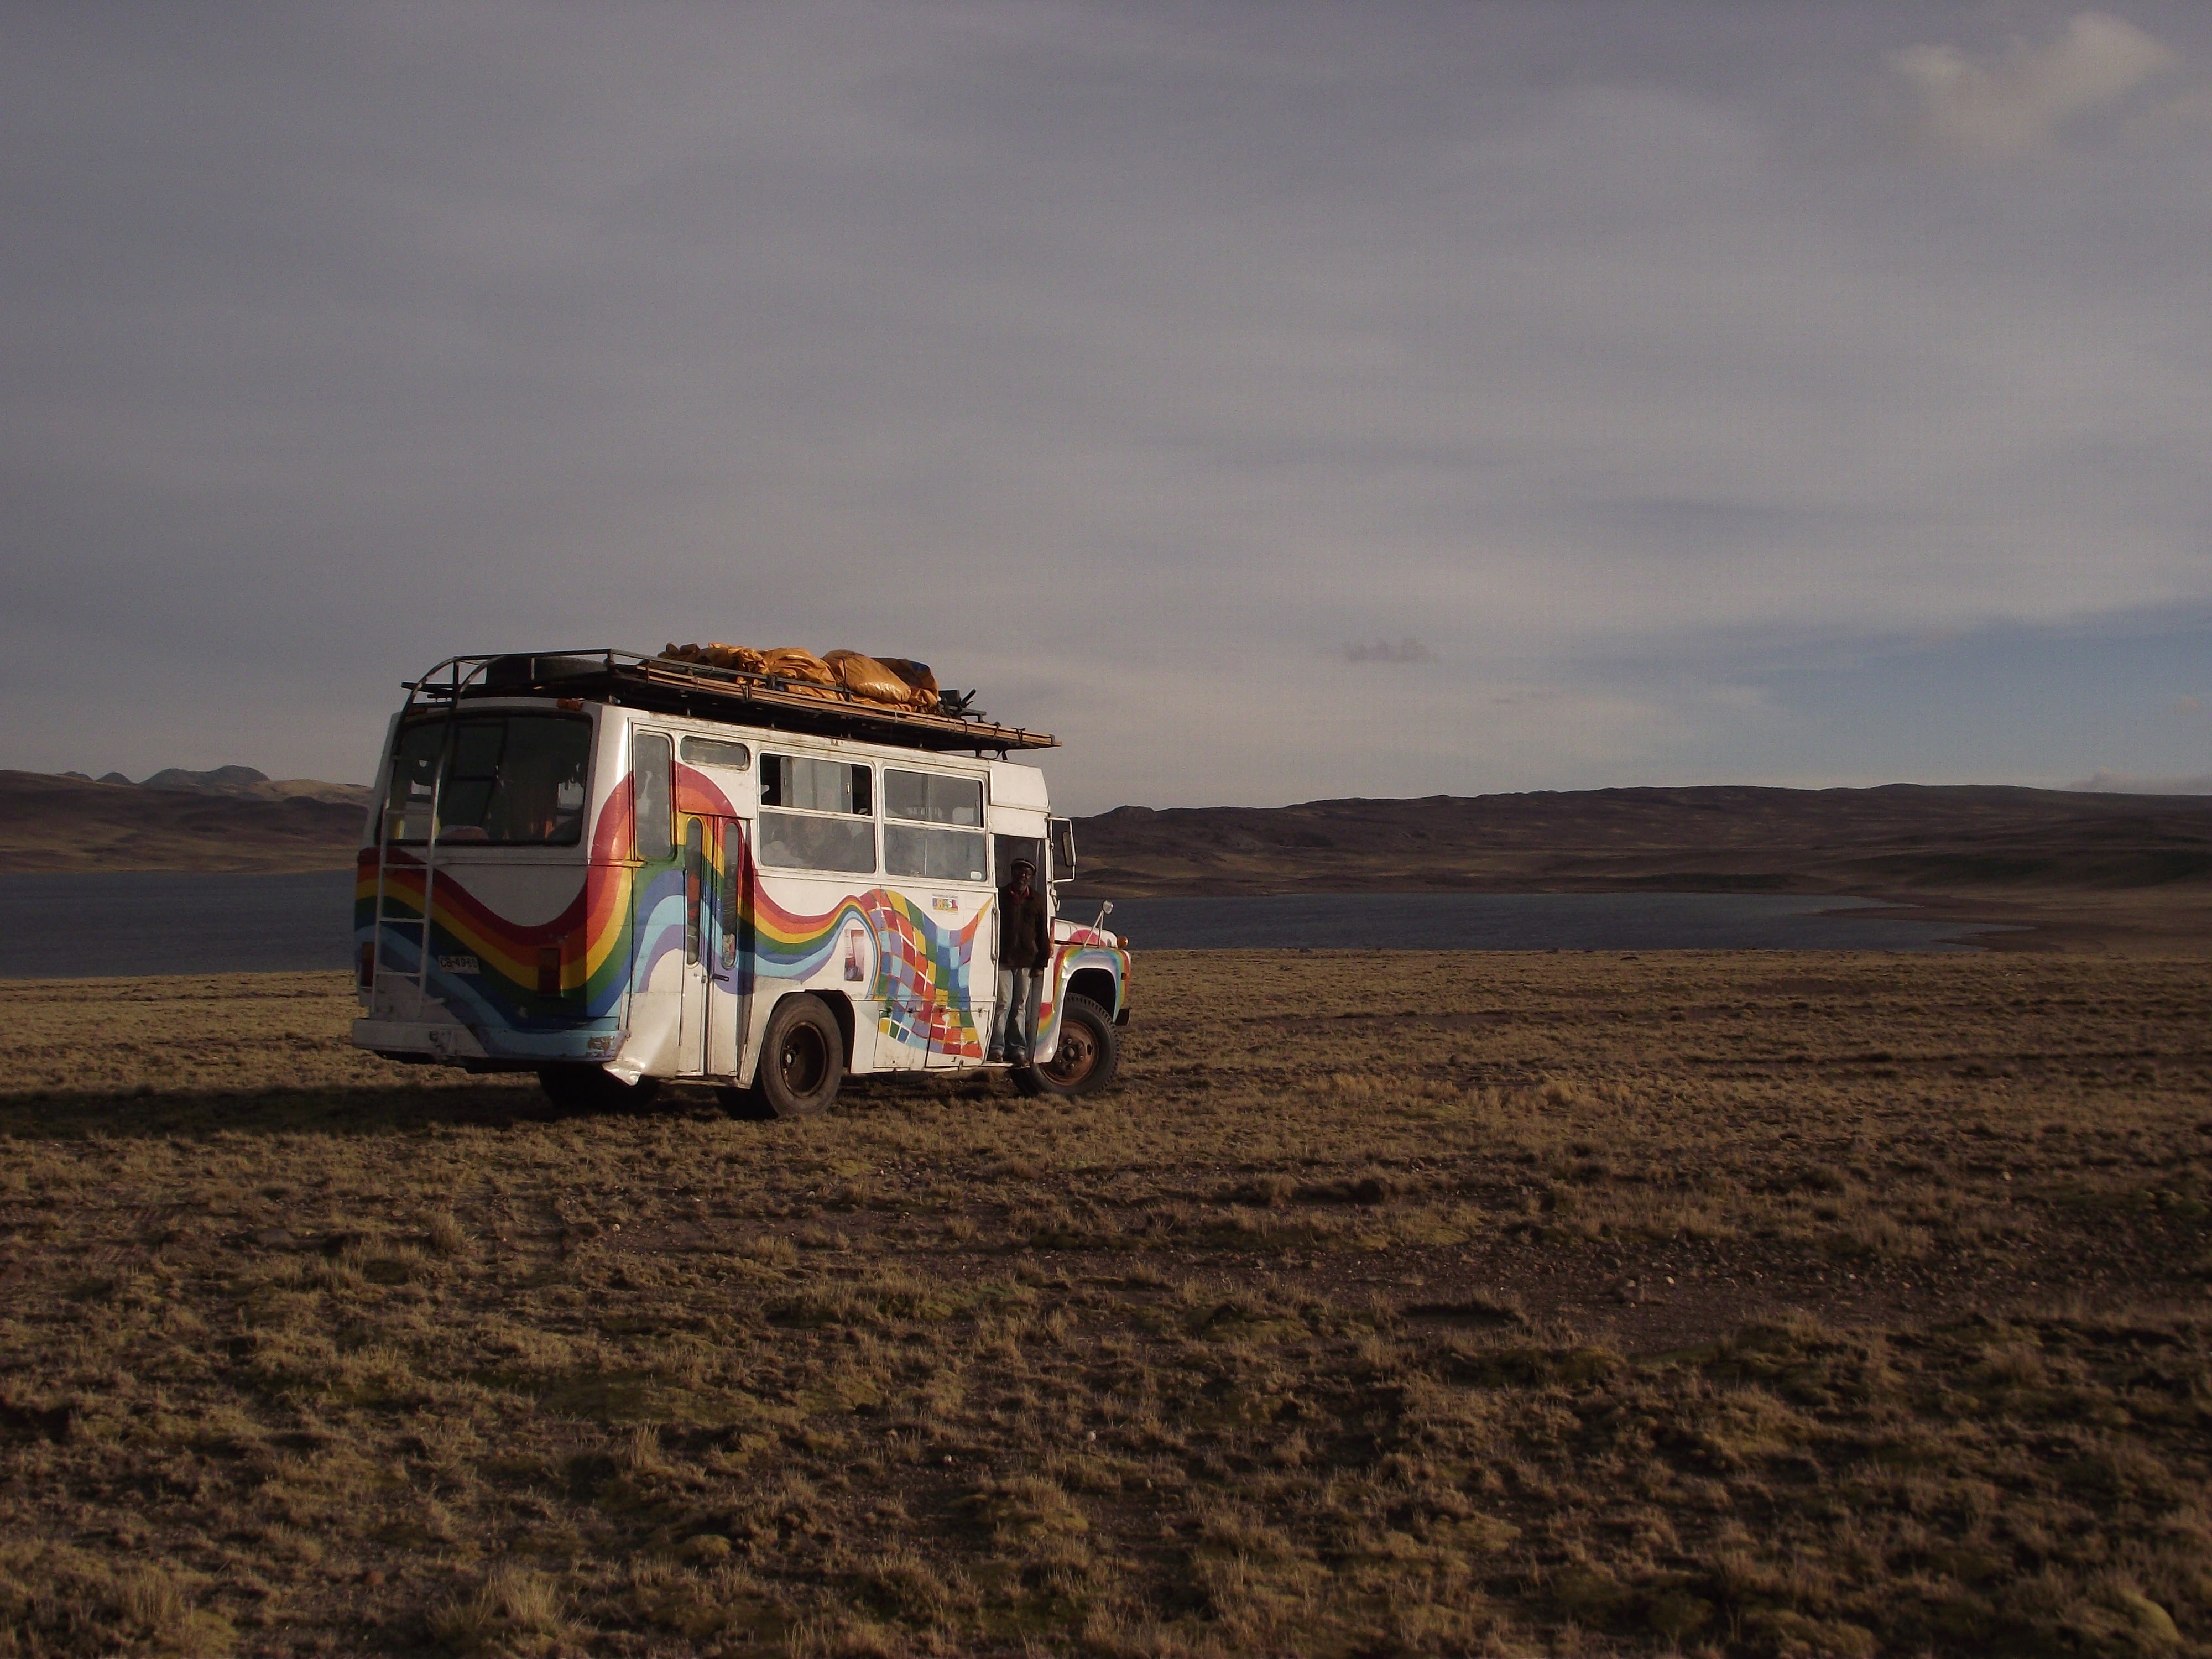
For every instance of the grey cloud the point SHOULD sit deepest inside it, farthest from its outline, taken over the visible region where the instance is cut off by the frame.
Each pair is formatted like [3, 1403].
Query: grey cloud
[1401, 651]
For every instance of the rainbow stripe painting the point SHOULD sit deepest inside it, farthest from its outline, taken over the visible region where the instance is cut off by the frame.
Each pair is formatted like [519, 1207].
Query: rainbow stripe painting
[575, 971]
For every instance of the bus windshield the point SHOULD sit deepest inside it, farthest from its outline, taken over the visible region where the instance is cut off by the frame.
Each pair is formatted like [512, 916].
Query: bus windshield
[506, 780]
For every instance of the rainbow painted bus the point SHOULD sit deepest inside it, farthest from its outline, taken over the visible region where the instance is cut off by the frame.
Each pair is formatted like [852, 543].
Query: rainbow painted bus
[622, 870]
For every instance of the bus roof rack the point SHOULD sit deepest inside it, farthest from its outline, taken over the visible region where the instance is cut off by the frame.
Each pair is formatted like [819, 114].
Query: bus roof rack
[667, 685]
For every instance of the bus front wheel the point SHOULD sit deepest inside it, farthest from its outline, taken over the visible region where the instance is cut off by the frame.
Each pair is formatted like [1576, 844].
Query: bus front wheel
[1084, 1062]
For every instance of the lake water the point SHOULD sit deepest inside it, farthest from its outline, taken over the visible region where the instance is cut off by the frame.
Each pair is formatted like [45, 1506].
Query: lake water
[86, 926]
[69, 927]
[1523, 921]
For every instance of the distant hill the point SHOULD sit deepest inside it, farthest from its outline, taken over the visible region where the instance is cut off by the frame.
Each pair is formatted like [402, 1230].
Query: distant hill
[1902, 839]
[223, 781]
[236, 780]
[231, 818]
[1992, 845]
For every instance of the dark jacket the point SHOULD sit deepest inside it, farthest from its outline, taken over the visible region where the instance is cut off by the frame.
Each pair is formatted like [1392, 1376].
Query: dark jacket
[1024, 935]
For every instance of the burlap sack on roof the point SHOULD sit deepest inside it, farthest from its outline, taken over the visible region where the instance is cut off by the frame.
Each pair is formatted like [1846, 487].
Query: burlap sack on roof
[864, 677]
[921, 684]
[898, 681]
[717, 655]
[789, 662]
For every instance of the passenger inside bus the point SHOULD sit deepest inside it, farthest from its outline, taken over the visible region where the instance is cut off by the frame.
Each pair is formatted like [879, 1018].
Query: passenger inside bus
[524, 809]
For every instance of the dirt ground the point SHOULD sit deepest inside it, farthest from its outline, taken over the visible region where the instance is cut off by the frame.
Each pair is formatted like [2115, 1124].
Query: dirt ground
[1396, 1302]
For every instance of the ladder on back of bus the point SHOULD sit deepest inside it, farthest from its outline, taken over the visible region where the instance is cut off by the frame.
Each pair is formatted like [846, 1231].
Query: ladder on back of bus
[453, 693]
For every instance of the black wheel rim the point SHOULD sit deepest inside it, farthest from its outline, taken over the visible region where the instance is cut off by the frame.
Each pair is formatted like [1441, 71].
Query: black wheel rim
[806, 1061]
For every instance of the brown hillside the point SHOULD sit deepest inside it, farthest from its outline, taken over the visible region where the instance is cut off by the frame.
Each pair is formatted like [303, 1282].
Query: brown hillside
[1727, 838]
[51, 822]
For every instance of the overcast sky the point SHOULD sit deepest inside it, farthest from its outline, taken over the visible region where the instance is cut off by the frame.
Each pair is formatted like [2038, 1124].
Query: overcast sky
[1278, 402]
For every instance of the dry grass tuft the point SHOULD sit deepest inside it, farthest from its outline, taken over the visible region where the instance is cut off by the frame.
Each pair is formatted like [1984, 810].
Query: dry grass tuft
[513, 1612]
[443, 1234]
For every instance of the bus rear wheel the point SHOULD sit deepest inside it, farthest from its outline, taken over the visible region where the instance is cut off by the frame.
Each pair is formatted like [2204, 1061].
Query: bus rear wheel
[574, 1088]
[802, 1061]
[1088, 1055]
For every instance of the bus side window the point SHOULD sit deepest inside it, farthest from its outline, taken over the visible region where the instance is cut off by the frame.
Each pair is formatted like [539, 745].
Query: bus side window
[918, 847]
[651, 765]
[712, 752]
[815, 785]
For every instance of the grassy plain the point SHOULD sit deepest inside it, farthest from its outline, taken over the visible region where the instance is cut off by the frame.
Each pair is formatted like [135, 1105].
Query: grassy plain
[1573, 1305]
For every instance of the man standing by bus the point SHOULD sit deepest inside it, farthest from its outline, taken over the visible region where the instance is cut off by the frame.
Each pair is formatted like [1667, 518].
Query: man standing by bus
[1025, 953]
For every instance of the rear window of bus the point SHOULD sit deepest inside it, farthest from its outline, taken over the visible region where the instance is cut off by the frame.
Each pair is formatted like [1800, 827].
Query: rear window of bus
[502, 779]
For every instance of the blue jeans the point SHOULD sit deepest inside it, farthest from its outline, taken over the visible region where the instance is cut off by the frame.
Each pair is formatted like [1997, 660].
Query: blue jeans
[1014, 1031]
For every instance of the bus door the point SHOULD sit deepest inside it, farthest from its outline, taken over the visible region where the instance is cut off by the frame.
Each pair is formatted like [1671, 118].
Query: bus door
[717, 970]
[698, 924]
[727, 949]
[1005, 850]
[716, 963]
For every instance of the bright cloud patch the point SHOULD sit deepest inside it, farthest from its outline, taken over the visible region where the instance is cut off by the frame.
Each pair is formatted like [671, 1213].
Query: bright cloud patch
[1993, 108]
[2127, 783]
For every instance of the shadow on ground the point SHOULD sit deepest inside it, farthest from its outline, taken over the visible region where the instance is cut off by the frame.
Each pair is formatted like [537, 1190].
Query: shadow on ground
[491, 1102]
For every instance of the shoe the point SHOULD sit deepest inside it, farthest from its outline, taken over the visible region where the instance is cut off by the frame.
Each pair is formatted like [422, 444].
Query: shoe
[996, 1057]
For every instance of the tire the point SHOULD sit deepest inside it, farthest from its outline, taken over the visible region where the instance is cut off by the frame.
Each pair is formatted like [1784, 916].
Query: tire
[802, 1060]
[574, 1088]
[1089, 1055]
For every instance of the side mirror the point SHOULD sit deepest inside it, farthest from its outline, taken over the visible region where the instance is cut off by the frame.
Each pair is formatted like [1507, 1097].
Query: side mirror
[1063, 850]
